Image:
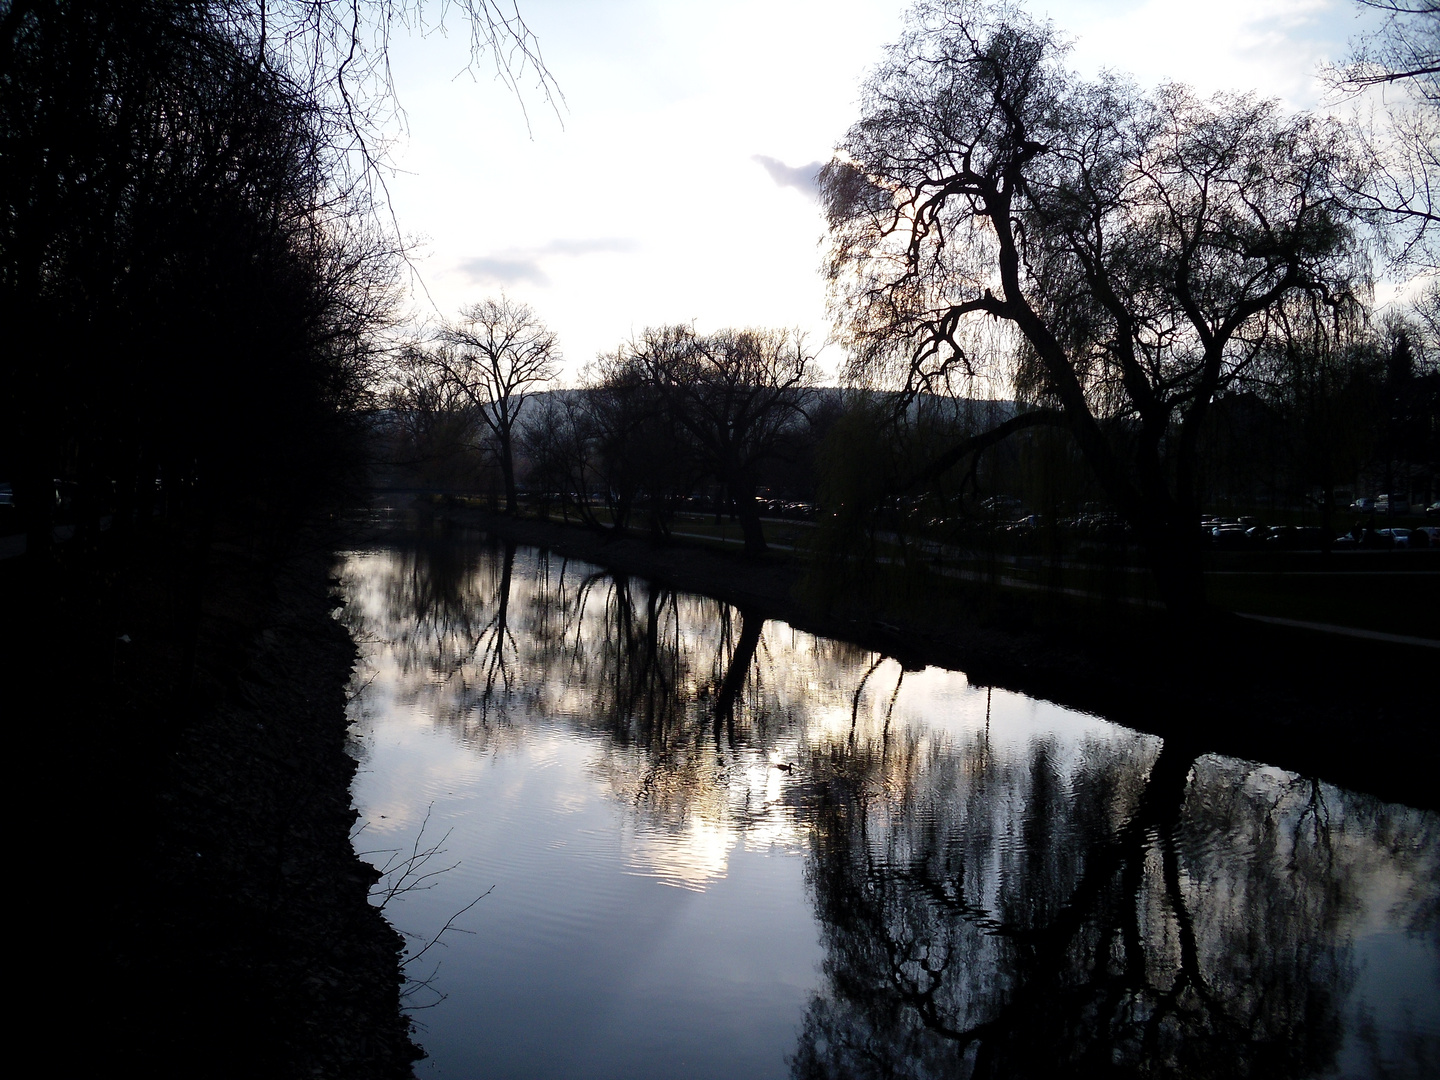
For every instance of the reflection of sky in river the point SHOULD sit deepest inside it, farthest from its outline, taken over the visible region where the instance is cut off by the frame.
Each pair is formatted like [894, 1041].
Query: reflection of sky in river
[579, 965]
[669, 900]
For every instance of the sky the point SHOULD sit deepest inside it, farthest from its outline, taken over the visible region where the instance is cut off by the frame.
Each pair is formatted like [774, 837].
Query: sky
[672, 184]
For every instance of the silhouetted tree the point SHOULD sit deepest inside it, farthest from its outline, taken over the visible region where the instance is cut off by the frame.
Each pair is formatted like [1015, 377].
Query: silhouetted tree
[1118, 255]
[493, 358]
[191, 257]
[431, 428]
[599, 442]
[168, 203]
[641, 451]
[1401, 56]
[737, 394]
[557, 442]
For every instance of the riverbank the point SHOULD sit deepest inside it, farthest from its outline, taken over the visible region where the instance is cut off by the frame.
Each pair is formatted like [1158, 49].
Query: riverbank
[1353, 712]
[205, 914]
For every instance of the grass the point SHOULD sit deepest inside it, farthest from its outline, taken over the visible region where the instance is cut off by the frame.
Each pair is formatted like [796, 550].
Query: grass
[1393, 603]
[1397, 593]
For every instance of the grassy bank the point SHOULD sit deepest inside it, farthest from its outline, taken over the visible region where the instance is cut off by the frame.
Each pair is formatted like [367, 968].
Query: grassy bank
[1353, 711]
[1394, 592]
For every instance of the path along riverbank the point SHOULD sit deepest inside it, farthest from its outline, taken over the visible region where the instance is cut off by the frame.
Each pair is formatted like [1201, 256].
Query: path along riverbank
[1358, 713]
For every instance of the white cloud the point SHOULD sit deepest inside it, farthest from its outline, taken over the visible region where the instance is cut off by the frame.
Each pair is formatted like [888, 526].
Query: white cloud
[803, 178]
[599, 246]
[497, 270]
[645, 207]
[523, 266]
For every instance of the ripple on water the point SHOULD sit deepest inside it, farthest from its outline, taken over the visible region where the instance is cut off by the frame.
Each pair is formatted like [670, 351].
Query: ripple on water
[933, 856]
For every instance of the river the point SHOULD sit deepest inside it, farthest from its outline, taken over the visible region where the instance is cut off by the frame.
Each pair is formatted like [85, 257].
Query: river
[672, 840]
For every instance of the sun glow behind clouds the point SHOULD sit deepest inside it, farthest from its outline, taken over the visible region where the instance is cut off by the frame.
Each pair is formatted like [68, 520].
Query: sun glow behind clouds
[674, 191]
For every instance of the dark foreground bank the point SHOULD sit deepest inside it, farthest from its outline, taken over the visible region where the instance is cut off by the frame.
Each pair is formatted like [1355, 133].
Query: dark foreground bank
[1357, 713]
[201, 910]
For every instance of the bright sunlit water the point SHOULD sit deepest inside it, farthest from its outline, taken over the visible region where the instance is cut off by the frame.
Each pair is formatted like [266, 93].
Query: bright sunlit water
[709, 846]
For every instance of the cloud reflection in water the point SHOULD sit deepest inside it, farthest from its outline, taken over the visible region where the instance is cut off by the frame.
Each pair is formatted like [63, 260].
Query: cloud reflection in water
[998, 886]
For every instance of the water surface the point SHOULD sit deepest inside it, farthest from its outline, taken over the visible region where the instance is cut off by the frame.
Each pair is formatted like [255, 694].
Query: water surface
[714, 846]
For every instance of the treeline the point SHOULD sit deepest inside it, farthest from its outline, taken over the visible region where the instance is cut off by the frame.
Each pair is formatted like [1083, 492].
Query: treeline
[1176, 293]
[1339, 407]
[191, 281]
[674, 412]
[736, 422]
[666, 415]
[189, 275]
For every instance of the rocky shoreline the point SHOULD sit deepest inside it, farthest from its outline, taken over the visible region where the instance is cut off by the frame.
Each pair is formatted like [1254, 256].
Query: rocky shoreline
[219, 922]
[1303, 701]
[259, 842]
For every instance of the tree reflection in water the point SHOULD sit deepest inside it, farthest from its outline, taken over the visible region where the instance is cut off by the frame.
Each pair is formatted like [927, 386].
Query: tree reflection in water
[1050, 905]
[1173, 917]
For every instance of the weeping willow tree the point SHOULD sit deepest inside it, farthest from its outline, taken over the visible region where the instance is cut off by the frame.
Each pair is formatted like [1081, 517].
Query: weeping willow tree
[1116, 256]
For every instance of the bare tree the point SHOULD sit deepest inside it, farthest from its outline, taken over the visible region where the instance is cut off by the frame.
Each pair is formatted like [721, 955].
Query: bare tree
[1400, 58]
[737, 394]
[337, 54]
[1403, 50]
[432, 427]
[1116, 255]
[494, 356]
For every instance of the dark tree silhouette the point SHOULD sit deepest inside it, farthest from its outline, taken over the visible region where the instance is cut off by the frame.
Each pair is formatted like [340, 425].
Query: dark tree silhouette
[737, 394]
[168, 204]
[606, 445]
[493, 358]
[1117, 255]
[191, 254]
[431, 428]
[1401, 58]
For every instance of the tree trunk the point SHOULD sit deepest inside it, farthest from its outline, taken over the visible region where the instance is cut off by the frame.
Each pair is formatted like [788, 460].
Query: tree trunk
[735, 673]
[507, 470]
[748, 512]
[1173, 554]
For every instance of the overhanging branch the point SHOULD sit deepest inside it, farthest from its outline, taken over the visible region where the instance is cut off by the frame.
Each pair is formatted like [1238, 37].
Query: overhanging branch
[976, 443]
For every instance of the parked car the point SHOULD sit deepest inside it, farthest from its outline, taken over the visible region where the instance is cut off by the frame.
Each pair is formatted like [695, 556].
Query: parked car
[1363, 537]
[1363, 506]
[1231, 537]
[1407, 538]
[1295, 537]
[1392, 504]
